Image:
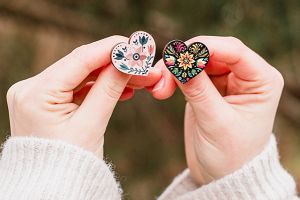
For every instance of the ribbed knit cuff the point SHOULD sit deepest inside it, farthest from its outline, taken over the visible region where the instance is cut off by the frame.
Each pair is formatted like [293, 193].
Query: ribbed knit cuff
[260, 179]
[32, 168]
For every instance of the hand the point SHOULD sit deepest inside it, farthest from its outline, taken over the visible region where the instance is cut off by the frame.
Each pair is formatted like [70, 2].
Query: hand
[230, 108]
[73, 99]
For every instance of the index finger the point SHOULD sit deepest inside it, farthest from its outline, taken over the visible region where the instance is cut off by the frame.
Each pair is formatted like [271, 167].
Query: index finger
[240, 59]
[226, 54]
[67, 73]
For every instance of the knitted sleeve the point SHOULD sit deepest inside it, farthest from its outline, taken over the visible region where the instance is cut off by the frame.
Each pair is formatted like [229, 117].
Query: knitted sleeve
[32, 168]
[260, 179]
[40, 169]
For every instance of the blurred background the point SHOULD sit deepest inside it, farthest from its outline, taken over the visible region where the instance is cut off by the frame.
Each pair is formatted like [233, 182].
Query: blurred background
[144, 139]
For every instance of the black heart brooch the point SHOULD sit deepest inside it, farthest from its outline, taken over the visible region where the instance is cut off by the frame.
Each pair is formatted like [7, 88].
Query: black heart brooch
[185, 62]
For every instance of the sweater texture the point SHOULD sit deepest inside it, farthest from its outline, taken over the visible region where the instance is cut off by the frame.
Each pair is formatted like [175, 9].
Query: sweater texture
[40, 169]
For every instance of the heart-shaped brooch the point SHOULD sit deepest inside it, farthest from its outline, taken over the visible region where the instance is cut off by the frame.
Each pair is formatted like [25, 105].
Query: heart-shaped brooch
[136, 56]
[185, 62]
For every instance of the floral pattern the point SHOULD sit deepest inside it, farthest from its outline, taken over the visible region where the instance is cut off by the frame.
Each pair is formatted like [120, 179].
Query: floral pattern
[185, 62]
[136, 56]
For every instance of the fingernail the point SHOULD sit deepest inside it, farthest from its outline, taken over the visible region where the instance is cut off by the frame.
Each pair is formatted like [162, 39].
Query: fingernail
[159, 85]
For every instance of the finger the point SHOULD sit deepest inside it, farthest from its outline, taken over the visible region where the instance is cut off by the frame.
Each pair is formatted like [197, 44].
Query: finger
[90, 78]
[127, 94]
[138, 82]
[204, 98]
[216, 68]
[80, 95]
[70, 71]
[241, 60]
[220, 82]
[166, 86]
[135, 82]
[189, 141]
[102, 98]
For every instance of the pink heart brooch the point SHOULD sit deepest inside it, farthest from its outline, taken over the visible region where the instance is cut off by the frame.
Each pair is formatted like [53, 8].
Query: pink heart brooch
[136, 56]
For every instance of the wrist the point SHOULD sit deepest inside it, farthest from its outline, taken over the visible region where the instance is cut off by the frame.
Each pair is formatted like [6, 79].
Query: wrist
[261, 178]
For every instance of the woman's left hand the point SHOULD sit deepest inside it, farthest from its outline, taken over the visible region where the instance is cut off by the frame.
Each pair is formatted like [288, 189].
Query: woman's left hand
[230, 108]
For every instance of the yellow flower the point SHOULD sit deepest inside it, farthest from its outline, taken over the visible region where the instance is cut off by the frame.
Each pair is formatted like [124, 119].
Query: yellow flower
[186, 60]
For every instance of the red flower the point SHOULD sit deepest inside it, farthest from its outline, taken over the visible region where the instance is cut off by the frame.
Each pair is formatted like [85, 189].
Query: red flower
[150, 49]
[136, 57]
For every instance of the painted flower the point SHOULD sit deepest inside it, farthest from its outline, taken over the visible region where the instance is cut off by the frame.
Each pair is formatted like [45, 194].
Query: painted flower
[201, 63]
[186, 60]
[136, 57]
[180, 46]
[170, 61]
[150, 49]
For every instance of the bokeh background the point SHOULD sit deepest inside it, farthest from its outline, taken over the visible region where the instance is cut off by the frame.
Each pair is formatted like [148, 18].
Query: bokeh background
[144, 139]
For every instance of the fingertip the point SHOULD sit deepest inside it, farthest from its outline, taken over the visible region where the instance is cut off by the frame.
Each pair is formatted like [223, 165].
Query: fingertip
[138, 82]
[127, 94]
[216, 68]
[164, 94]
[115, 39]
[199, 89]
[166, 86]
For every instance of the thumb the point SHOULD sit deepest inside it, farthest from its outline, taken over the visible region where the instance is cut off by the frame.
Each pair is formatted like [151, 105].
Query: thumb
[102, 98]
[204, 98]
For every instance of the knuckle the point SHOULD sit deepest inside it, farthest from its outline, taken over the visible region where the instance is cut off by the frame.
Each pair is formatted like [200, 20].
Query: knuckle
[19, 94]
[12, 91]
[278, 78]
[79, 54]
[22, 96]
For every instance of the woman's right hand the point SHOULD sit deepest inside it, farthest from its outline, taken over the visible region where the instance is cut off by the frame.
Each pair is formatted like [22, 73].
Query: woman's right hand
[73, 99]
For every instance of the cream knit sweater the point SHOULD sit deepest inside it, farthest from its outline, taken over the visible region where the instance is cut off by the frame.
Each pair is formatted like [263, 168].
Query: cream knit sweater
[39, 169]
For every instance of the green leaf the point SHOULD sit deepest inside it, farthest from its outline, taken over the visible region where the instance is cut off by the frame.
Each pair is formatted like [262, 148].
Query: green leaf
[171, 49]
[120, 52]
[175, 71]
[119, 55]
[194, 72]
[124, 67]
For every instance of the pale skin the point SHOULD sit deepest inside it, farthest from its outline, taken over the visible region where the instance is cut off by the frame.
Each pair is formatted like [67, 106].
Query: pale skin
[229, 114]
